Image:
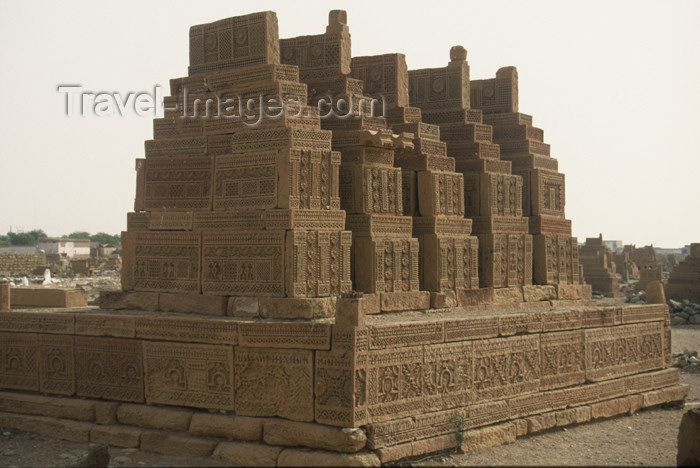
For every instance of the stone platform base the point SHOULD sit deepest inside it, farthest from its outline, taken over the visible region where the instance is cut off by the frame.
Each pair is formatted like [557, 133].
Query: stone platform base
[353, 387]
[250, 441]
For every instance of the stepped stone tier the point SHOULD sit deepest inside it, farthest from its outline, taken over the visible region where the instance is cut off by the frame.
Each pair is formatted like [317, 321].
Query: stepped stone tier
[385, 253]
[555, 252]
[684, 280]
[599, 267]
[301, 288]
[493, 195]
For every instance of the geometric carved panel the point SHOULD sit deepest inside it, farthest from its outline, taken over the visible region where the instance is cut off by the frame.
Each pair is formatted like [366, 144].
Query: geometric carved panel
[392, 383]
[109, 368]
[182, 183]
[318, 263]
[555, 259]
[505, 260]
[562, 362]
[19, 361]
[506, 366]
[57, 374]
[448, 373]
[189, 374]
[611, 352]
[548, 196]
[274, 382]
[246, 263]
[161, 261]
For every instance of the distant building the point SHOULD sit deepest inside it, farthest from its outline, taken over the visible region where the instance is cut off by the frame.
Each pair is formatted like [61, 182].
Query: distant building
[98, 250]
[68, 248]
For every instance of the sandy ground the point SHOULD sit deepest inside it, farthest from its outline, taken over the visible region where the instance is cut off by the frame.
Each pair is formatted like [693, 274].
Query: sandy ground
[647, 438]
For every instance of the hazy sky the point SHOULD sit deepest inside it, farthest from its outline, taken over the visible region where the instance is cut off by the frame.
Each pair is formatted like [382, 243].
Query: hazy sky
[615, 85]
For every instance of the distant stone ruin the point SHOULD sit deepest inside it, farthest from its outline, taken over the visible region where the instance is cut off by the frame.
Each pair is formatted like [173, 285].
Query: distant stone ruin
[684, 281]
[599, 269]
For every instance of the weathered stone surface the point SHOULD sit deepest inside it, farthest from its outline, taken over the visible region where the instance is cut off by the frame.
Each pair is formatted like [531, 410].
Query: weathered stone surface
[192, 303]
[507, 295]
[117, 436]
[408, 300]
[225, 426]
[666, 395]
[247, 454]
[655, 293]
[105, 325]
[533, 293]
[39, 297]
[75, 431]
[188, 374]
[443, 300]
[541, 422]
[113, 299]
[468, 297]
[573, 416]
[297, 307]
[396, 452]
[317, 436]
[170, 419]
[81, 410]
[511, 324]
[486, 437]
[610, 408]
[520, 427]
[689, 439]
[106, 412]
[305, 457]
[176, 444]
[243, 307]
[274, 382]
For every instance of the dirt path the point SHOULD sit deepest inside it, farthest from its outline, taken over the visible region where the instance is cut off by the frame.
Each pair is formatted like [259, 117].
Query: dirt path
[647, 438]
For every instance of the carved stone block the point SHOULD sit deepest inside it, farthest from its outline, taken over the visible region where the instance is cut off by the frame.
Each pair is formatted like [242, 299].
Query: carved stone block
[612, 352]
[294, 335]
[189, 374]
[57, 370]
[447, 376]
[448, 263]
[556, 259]
[161, 261]
[493, 194]
[317, 263]
[109, 368]
[178, 183]
[385, 75]
[505, 260]
[547, 193]
[196, 330]
[386, 265]
[246, 263]
[338, 389]
[562, 359]
[274, 382]
[371, 189]
[440, 194]
[393, 384]
[19, 361]
[293, 178]
[506, 366]
[234, 43]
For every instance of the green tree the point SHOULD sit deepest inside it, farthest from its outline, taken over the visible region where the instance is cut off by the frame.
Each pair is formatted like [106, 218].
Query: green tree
[37, 233]
[4, 240]
[104, 238]
[20, 238]
[77, 235]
